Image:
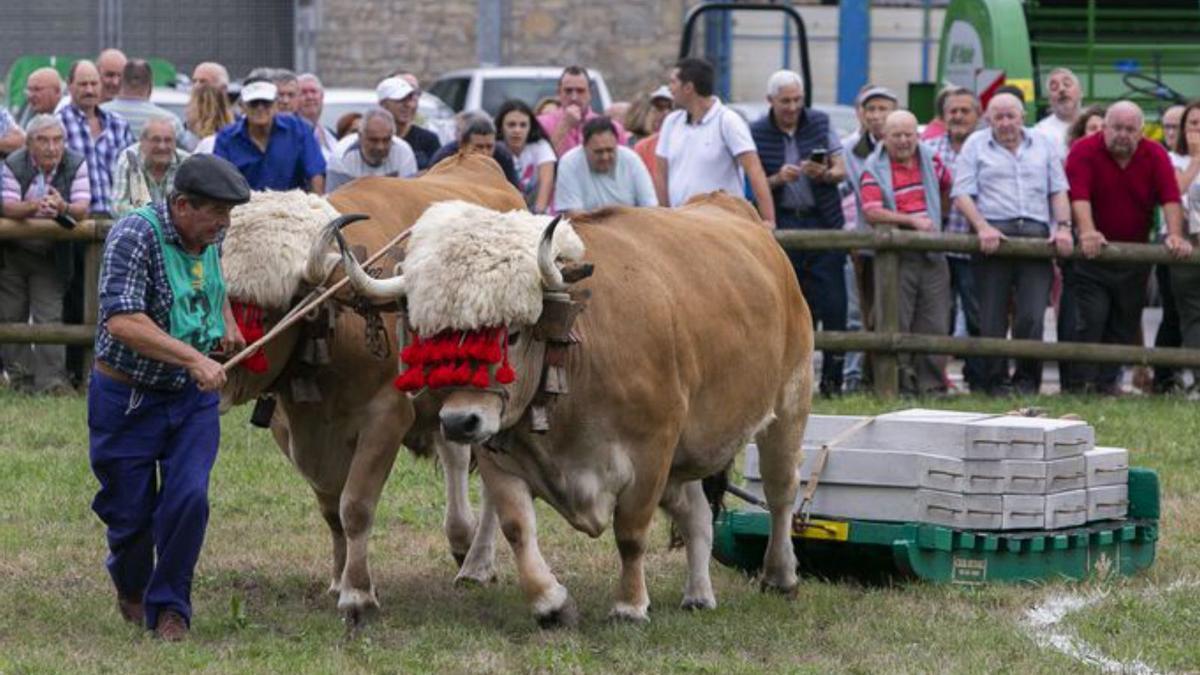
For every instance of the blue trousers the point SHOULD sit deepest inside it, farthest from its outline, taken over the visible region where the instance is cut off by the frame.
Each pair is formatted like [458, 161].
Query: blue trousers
[152, 452]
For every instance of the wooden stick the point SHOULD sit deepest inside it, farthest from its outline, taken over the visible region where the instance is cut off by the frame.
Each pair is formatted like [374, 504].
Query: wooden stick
[299, 311]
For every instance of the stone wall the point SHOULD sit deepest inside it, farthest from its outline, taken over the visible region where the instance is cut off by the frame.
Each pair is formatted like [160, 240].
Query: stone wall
[632, 42]
[633, 45]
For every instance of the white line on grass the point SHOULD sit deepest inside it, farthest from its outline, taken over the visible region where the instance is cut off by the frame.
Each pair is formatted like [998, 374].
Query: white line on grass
[1043, 623]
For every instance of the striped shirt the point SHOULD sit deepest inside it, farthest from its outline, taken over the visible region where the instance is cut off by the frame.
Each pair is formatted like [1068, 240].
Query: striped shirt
[100, 153]
[133, 280]
[906, 182]
[11, 189]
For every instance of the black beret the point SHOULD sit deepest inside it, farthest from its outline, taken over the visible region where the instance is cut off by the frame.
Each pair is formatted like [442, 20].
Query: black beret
[213, 178]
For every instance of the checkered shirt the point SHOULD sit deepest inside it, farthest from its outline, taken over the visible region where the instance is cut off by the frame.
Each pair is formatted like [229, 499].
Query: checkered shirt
[956, 222]
[101, 153]
[133, 280]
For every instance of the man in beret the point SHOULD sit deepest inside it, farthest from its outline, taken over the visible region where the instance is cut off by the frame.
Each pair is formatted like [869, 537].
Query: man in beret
[152, 399]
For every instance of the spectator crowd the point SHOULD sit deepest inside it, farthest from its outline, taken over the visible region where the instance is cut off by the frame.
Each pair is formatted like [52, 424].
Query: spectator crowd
[1079, 178]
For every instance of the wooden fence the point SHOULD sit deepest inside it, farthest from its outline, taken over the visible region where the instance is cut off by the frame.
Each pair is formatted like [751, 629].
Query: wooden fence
[886, 342]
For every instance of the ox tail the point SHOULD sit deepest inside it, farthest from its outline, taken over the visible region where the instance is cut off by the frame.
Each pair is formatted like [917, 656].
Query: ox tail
[715, 487]
[321, 257]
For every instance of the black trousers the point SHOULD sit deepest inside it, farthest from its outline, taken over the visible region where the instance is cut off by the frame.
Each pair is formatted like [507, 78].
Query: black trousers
[1107, 300]
[823, 282]
[1025, 286]
[1170, 333]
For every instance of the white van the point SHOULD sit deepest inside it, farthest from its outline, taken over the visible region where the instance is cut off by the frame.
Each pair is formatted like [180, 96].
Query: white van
[488, 88]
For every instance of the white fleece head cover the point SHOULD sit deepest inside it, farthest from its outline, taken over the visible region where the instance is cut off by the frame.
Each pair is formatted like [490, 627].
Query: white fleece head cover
[267, 245]
[470, 267]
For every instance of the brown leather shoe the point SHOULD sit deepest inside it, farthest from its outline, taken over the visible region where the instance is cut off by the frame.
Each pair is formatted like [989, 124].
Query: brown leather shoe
[171, 626]
[131, 609]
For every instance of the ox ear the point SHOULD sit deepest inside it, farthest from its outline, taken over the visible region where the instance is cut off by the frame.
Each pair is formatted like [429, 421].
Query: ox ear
[387, 290]
[552, 278]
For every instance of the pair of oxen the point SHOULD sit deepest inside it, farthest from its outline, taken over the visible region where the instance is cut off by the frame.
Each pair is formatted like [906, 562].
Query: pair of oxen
[693, 339]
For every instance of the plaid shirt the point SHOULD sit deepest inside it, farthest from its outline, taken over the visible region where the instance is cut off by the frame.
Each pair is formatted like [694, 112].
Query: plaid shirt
[134, 185]
[956, 222]
[6, 121]
[101, 153]
[133, 280]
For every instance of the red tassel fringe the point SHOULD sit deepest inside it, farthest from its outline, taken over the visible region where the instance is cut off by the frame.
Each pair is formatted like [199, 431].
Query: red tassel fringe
[249, 320]
[455, 359]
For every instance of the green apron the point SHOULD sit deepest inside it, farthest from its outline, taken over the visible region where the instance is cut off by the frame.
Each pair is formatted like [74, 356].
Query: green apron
[197, 308]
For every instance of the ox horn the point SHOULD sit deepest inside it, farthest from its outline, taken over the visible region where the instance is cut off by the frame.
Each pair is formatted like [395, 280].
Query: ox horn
[552, 278]
[375, 289]
[320, 260]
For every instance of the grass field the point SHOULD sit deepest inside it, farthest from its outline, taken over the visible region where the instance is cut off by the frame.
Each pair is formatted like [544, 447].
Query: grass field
[261, 605]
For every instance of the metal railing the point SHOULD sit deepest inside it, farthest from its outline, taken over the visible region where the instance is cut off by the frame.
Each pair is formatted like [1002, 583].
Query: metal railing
[886, 342]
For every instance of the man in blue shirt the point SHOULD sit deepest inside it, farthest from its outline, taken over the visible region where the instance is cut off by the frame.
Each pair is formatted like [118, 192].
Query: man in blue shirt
[273, 151]
[152, 401]
[1009, 182]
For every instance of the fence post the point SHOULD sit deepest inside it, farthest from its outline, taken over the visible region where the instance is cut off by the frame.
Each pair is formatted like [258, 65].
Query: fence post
[91, 295]
[887, 301]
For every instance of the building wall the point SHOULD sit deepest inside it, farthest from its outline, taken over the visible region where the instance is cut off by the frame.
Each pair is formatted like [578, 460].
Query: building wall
[239, 34]
[359, 41]
[633, 42]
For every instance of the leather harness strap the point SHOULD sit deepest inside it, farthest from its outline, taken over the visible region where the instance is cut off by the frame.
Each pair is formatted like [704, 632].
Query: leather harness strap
[803, 514]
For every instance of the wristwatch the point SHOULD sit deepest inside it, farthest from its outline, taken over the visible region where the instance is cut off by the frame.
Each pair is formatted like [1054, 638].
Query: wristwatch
[1064, 224]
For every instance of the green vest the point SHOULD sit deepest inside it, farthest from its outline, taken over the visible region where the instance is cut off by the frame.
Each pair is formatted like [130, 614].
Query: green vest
[197, 290]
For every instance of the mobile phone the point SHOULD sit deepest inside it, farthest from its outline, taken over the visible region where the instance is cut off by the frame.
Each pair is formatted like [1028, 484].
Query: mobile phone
[818, 155]
[65, 220]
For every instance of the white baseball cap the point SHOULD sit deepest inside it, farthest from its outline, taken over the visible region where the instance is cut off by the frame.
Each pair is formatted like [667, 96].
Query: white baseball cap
[662, 92]
[394, 88]
[258, 91]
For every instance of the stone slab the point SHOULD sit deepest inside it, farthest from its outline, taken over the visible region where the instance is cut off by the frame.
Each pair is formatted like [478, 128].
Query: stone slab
[1107, 466]
[1108, 502]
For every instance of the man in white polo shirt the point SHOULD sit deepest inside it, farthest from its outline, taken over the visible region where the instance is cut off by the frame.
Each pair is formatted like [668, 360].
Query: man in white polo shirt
[704, 147]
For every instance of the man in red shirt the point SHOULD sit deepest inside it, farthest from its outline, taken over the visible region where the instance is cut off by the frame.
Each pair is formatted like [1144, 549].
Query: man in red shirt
[905, 185]
[1117, 178]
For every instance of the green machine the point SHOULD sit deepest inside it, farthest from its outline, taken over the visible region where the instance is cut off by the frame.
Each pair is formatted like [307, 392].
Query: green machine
[1143, 50]
[163, 72]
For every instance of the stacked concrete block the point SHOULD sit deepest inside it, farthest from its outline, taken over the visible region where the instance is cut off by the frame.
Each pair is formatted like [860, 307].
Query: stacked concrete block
[965, 470]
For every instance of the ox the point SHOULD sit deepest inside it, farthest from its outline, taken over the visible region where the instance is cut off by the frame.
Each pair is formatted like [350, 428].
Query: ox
[695, 339]
[339, 419]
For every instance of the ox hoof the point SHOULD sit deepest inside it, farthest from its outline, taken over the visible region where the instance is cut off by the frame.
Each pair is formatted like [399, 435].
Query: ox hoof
[623, 613]
[698, 604]
[472, 579]
[788, 591]
[335, 587]
[556, 609]
[566, 616]
[356, 606]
